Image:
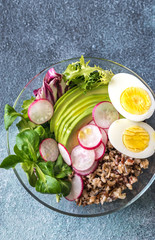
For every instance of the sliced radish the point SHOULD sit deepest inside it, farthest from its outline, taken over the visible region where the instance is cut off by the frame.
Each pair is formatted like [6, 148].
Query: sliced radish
[40, 111]
[104, 136]
[92, 123]
[65, 154]
[104, 114]
[106, 130]
[104, 133]
[82, 159]
[89, 136]
[76, 189]
[99, 152]
[88, 171]
[49, 149]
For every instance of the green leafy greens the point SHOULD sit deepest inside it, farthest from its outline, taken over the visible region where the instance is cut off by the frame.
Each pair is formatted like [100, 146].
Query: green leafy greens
[10, 116]
[84, 76]
[46, 177]
[11, 161]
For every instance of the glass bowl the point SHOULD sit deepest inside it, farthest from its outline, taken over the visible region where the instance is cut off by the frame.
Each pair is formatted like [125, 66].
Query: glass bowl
[64, 206]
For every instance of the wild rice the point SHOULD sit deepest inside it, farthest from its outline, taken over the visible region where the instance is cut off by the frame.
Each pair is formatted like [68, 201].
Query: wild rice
[115, 173]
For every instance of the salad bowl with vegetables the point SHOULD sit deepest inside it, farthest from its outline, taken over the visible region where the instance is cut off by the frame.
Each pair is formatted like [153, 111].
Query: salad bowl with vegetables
[80, 137]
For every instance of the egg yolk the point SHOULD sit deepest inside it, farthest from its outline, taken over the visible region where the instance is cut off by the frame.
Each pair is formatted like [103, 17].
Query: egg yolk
[135, 100]
[136, 139]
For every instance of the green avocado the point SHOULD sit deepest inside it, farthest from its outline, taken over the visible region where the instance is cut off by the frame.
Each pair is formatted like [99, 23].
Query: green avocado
[63, 103]
[69, 139]
[74, 110]
[71, 97]
[63, 97]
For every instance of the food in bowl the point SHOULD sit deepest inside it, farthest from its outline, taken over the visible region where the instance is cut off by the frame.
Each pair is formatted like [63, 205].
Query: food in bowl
[63, 140]
[115, 173]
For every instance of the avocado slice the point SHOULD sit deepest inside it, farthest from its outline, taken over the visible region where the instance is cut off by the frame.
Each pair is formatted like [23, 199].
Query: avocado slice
[69, 139]
[71, 98]
[66, 100]
[58, 102]
[75, 111]
[63, 129]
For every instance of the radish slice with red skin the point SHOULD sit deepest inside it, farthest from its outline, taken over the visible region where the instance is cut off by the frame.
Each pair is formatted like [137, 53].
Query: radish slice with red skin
[104, 136]
[89, 171]
[49, 149]
[106, 130]
[99, 152]
[89, 136]
[104, 114]
[76, 189]
[104, 133]
[92, 123]
[65, 154]
[82, 159]
[40, 111]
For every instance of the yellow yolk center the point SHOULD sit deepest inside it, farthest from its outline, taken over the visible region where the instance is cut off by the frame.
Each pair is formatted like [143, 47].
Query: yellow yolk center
[136, 138]
[135, 100]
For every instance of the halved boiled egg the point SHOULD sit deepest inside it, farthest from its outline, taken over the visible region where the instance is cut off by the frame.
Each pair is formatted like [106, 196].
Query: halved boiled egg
[134, 139]
[131, 97]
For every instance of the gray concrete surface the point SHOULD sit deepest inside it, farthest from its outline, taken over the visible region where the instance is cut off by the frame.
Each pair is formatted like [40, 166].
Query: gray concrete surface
[36, 33]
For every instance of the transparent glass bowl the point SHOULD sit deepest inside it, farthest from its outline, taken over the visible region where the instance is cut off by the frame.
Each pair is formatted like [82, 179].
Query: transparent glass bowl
[64, 206]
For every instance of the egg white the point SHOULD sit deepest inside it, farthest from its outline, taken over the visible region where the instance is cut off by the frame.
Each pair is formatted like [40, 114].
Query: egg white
[117, 85]
[115, 134]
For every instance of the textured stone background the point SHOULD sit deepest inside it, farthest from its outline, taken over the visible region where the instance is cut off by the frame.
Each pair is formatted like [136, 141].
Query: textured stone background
[34, 34]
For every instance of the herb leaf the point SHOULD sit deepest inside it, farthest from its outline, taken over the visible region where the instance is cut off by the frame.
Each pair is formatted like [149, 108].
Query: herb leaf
[47, 168]
[10, 161]
[25, 107]
[65, 187]
[51, 185]
[58, 164]
[31, 178]
[23, 125]
[28, 167]
[61, 169]
[41, 131]
[46, 177]
[10, 116]
[21, 154]
[28, 141]
[65, 171]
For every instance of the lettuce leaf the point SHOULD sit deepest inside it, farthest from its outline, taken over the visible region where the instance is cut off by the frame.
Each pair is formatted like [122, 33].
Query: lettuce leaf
[84, 76]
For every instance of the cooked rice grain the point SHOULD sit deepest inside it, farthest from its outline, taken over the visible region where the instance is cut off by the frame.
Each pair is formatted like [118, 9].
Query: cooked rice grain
[114, 174]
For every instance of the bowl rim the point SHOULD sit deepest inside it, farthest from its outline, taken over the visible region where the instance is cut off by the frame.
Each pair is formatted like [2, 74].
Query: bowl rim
[47, 205]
